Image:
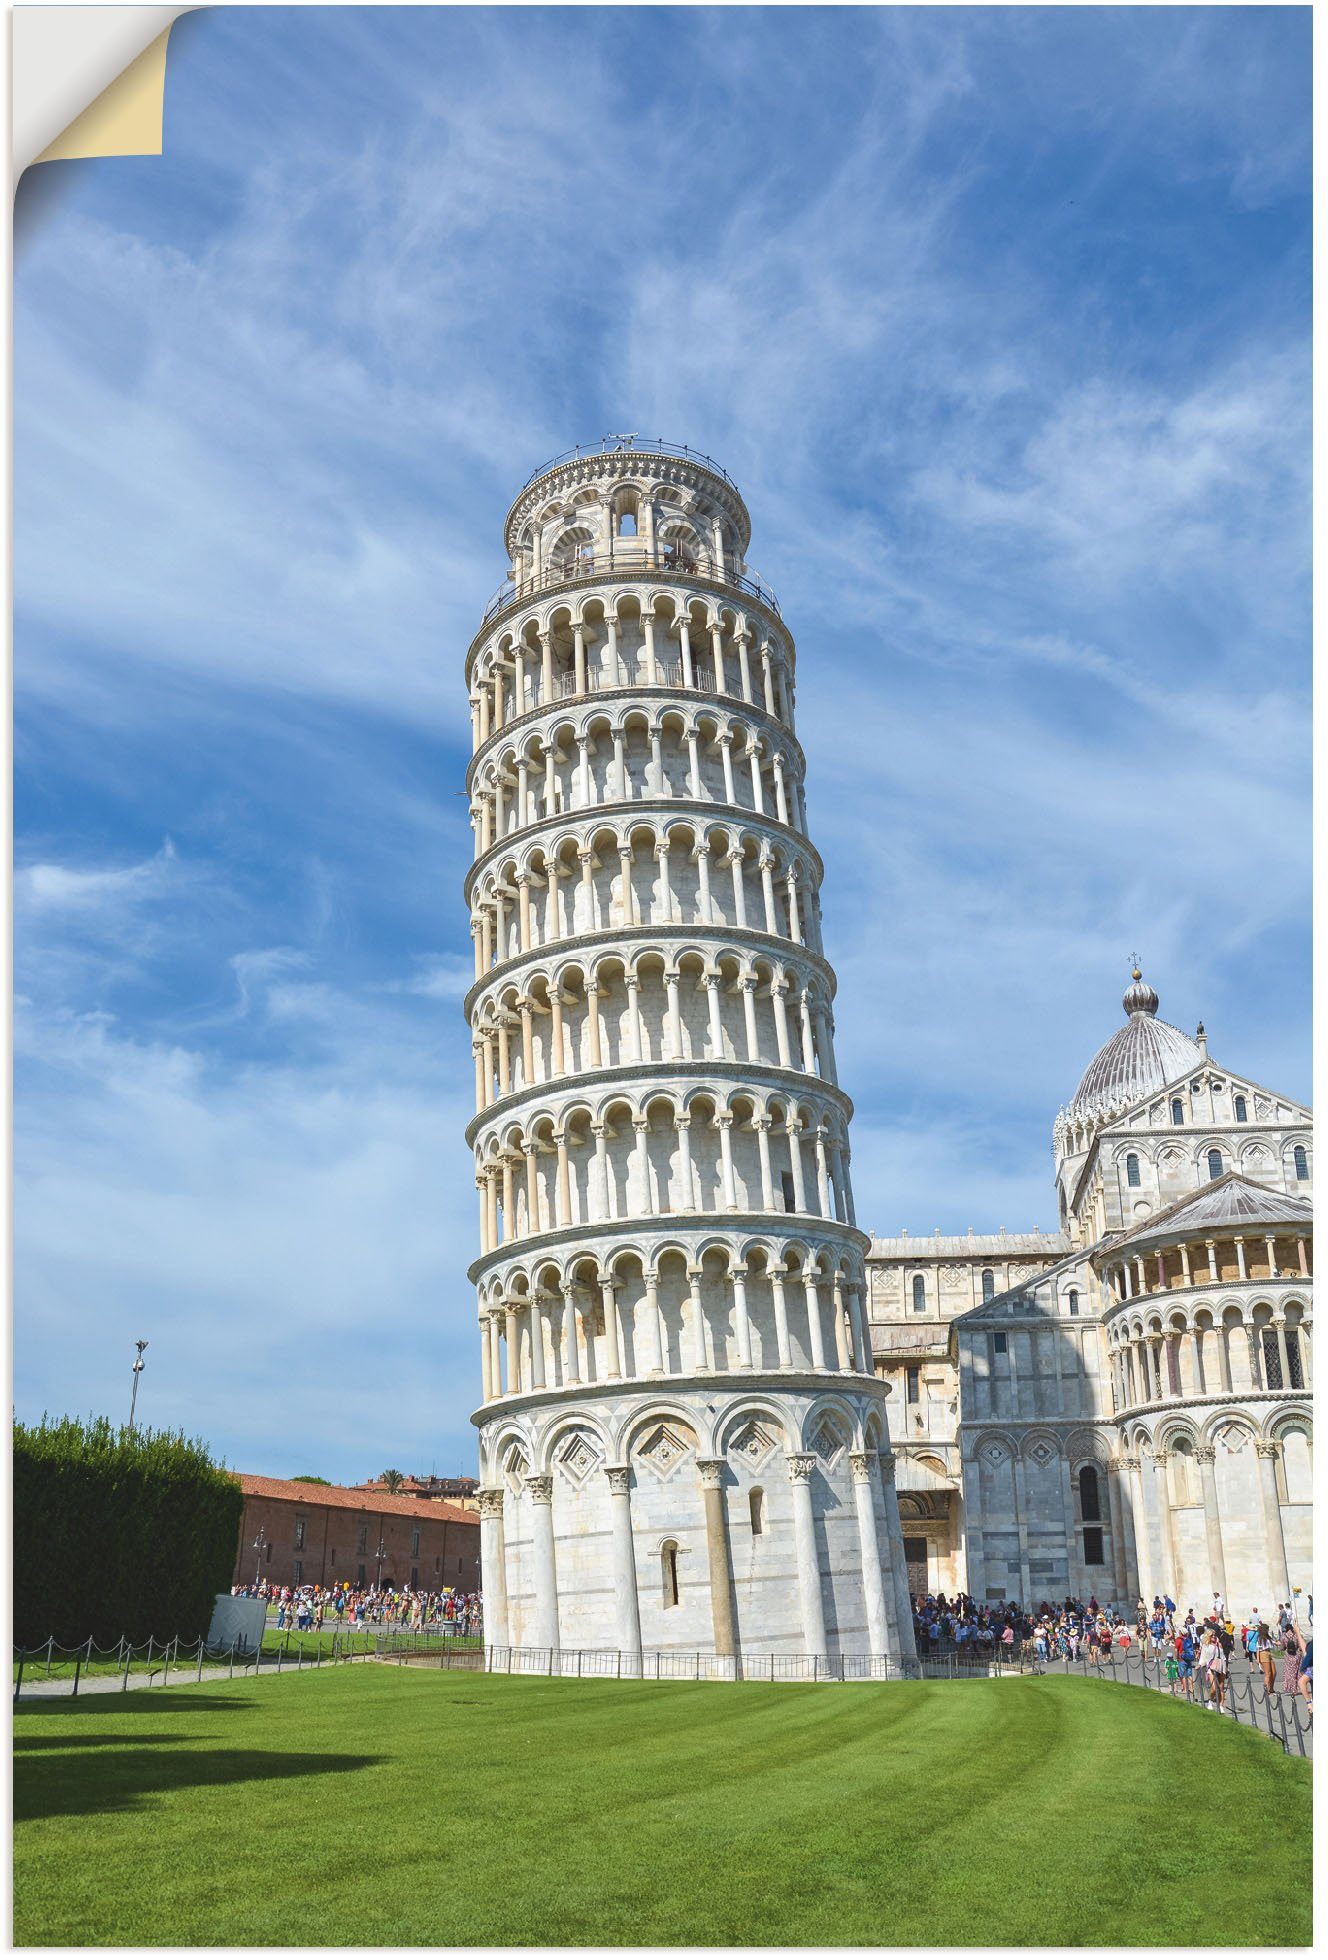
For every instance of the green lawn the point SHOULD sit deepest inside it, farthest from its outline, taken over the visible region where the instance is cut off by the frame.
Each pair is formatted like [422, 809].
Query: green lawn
[372, 1805]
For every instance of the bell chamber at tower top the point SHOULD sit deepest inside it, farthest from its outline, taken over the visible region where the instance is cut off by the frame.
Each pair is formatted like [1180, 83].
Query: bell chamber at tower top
[655, 517]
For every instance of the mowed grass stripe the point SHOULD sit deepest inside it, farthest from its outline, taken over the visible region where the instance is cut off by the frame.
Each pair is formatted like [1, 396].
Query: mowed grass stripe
[375, 1805]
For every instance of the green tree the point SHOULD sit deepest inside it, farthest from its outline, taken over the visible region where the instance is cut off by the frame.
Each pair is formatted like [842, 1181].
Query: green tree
[392, 1481]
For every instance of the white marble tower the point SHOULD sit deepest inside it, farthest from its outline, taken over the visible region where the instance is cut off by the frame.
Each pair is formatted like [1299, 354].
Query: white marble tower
[683, 1447]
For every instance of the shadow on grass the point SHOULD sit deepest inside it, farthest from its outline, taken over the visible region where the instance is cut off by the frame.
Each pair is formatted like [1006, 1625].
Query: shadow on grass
[79, 1784]
[97, 1707]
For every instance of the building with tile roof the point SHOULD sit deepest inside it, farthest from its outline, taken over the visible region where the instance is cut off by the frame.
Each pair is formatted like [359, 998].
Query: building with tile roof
[294, 1533]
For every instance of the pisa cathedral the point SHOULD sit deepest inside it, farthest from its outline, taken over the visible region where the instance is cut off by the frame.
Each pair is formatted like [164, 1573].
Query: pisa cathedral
[717, 1416]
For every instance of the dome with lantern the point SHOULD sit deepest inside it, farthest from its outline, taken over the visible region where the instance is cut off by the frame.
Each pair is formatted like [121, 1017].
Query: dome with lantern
[1140, 1058]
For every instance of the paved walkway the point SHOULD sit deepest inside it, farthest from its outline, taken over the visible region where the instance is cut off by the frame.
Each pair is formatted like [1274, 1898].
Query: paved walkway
[36, 1688]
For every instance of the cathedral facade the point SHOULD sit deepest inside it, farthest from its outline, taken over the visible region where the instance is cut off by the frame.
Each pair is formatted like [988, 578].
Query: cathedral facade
[1120, 1408]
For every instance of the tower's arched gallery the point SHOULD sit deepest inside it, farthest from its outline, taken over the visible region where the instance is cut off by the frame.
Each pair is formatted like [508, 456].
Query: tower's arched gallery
[708, 1396]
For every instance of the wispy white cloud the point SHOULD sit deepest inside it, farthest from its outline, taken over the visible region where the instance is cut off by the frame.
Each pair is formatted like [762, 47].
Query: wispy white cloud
[1000, 320]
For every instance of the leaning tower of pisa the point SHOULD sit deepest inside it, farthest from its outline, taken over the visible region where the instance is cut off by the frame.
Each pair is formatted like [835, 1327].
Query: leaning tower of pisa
[683, 1445]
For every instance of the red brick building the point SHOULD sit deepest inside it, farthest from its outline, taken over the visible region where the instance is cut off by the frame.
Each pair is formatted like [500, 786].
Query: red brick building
[322, 1534]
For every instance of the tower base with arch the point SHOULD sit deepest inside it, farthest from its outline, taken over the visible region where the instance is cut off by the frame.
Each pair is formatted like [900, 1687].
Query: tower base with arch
[751, 1521]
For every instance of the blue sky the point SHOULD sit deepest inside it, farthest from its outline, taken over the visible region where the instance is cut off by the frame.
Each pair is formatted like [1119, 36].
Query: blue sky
[1000, 319]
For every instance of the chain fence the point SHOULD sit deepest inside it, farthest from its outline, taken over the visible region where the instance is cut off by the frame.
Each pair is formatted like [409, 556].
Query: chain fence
[50, 1668]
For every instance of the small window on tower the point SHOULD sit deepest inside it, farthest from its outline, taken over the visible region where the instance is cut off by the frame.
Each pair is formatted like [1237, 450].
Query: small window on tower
[756, 1502]
[1242, 1114]
[1072, 1302]
[668, 1558]
[790, 1196]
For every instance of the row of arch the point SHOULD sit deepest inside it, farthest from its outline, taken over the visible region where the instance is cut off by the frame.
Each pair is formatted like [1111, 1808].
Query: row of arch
[714, 1431]
[673, 1309]
[647, 1154]
[1179, 1447]
[653, 1005]
[1241, 1347]
[669, 872]
[638, 755]
[1224, 1259]
[614, 500]
[1212, 1157]
[628, 639]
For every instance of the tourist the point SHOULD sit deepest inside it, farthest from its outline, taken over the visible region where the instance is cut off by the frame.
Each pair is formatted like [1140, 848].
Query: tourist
[1291, 1655]
[1214, 1662]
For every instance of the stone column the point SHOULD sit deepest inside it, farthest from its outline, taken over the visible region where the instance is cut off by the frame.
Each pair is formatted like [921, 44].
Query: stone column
[809, 1565]
[743, 1325]
[572, 1364]
[1267, 1452]
[1119, 1563]
[537, 1341]
[655, 1330]
[1132, 1509]
[870, 1550]
[894, 1535]
[624, 1562]
[1206, 1457]
[717, 1551]
[781, 1317]
[608, 1294]
[546, 1571]
[493, 1574]
[815, 1337]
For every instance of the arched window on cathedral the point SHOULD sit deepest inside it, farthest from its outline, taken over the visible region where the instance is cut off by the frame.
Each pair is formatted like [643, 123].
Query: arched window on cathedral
[1302, 1163]
[756, 1507]
[1272, 1360]
[1177, 1112]
[988, 1284]
[1072, 1302]
[919, 1294]
[1132, 1171]
[668, 1559]
[1090, 1501]
[1242, 1113]
[1214, 1163]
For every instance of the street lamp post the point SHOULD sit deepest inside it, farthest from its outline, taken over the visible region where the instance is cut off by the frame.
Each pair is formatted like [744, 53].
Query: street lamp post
[381, 1554]
[139, 1365]
[260, 1546]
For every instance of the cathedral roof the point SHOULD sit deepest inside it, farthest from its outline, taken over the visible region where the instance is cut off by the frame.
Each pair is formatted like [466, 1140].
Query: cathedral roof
[1232, 1201]
[1140, 1058]
[969, 1245]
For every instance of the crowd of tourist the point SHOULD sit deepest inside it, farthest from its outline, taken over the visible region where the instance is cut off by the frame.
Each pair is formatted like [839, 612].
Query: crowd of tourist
[311, 1608]
[1183, 1645]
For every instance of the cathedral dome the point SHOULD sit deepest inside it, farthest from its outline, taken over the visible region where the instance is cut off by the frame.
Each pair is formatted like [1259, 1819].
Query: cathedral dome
[1139, 1059]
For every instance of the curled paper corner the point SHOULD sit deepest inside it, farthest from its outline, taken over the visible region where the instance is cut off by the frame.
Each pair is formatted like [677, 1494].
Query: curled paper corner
[125, 119]
[88, 81]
